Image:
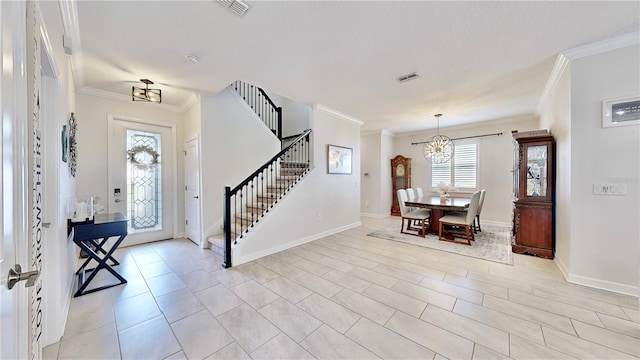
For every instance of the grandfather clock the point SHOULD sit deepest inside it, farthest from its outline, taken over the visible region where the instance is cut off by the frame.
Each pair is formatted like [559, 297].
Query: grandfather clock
[400, 179]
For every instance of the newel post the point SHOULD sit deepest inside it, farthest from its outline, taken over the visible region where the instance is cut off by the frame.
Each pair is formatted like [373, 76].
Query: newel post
[226, 219]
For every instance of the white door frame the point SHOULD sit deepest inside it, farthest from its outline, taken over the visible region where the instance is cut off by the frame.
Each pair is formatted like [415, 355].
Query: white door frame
[174, 168]
[201, 241]
[14, 324]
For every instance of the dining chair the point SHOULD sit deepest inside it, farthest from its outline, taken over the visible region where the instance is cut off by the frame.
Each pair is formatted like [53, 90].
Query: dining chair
[411, 194]
[420, 216]
[419, 193]
[462, 220]
[477, 228]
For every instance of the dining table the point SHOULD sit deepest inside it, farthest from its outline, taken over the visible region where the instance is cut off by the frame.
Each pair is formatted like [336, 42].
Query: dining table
[438, 208]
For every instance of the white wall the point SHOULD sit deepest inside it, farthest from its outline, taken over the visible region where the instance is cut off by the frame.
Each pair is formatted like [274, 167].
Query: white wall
[235, 143]
[371, 200]
[295, 117]
[556, 117]
[495, 164]
[604, 230]
[92, 118]
[192, 121]
[320, 205]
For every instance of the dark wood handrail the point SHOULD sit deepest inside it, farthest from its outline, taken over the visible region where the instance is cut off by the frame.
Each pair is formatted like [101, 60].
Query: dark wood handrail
[260, 191]
[268, 163]
[262, 105]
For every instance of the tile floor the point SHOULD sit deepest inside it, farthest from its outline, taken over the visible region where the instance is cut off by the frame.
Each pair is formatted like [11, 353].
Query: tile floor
[346, 296]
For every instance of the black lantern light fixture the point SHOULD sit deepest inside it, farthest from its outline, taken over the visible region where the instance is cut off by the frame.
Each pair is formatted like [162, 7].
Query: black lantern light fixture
[146, 94]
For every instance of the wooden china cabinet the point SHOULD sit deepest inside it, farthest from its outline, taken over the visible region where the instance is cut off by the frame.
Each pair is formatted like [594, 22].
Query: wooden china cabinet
[400, 179]
[533, 219]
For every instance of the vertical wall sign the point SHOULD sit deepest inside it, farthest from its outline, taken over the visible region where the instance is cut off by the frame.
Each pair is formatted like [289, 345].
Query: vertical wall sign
[35, 239]
[73, 145]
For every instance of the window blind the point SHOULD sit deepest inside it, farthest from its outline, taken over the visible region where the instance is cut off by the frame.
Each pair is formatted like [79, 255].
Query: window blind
[462, 168]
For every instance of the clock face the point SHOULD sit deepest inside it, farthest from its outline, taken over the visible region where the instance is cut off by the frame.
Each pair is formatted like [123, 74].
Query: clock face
[400, 170]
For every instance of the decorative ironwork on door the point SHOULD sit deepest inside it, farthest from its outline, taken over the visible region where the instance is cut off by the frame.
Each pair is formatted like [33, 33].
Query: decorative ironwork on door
[144, 181]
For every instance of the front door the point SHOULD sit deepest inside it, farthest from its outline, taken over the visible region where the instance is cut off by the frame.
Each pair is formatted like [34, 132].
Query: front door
[140, 178]
[192, 190]
[14, 304]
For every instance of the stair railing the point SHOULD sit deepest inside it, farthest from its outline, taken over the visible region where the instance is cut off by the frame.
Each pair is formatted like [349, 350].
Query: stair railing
[262, 105]
[248, 202]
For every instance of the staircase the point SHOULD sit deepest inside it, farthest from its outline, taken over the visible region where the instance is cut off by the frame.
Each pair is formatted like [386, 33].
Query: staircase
[251, 200]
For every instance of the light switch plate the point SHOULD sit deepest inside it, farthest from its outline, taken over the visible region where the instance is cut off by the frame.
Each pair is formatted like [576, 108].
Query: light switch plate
[609, 189]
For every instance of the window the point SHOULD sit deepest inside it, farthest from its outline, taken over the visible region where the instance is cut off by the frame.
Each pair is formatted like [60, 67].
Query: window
[461, 172]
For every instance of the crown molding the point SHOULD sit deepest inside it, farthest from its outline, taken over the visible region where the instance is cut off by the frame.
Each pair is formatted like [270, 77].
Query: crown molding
[602, 46]
[556, 73]
[124, 98]
[191, 100]
[69, 14]
[338, 114]
[565, 58]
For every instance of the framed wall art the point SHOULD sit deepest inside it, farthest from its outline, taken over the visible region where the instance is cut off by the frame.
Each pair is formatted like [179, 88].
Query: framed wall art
[339, 159]
[621, 112]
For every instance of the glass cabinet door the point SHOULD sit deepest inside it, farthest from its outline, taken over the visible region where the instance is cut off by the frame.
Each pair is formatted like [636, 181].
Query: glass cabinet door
[537, 170]
[534, 171]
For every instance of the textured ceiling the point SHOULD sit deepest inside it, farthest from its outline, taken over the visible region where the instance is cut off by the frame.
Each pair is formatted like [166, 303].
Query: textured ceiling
[476, 60]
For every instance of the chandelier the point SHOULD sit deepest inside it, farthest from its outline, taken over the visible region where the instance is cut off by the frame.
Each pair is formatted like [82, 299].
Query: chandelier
[146, 94]
[439, 148]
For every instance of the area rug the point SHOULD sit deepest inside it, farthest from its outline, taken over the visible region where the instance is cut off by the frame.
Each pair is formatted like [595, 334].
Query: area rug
[493, 243]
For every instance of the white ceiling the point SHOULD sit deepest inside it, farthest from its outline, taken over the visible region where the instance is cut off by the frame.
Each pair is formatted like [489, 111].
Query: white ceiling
[477, 61]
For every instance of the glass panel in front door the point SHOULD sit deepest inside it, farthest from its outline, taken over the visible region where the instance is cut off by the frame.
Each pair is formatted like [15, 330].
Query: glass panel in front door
[144, 181]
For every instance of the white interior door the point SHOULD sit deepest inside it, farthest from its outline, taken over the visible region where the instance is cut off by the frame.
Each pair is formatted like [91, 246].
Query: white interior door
[141, 178]
[192, 190]
[13, 191]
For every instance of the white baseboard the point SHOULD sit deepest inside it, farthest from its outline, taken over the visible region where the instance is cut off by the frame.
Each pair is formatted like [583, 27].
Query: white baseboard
[180, 235]
[256, 255]
[375, 216]
[595, 283]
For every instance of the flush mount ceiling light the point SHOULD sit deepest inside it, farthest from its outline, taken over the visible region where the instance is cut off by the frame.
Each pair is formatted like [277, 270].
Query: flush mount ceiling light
[439, 148]
[146, 94]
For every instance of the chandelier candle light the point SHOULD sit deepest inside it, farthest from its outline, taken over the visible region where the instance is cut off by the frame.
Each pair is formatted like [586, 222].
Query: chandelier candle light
[439, 148]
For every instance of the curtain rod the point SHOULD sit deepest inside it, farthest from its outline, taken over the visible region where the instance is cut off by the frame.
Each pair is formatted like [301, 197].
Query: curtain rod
[460, 138]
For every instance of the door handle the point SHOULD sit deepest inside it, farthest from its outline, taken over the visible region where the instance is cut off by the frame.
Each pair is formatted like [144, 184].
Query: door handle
[17, 275]
[196, 197]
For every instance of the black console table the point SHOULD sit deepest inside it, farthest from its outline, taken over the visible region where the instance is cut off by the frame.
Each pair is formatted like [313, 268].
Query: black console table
[91, 237]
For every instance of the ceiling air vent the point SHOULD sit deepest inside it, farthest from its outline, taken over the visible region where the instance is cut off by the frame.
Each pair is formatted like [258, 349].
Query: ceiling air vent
[237, 7]
[405, 78]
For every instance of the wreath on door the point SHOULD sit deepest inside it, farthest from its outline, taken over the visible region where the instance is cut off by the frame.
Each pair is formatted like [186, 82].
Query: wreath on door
[143, 157]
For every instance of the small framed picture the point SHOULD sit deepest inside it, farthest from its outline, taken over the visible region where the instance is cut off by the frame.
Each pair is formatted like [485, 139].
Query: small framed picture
[339, 159]
[621, 112]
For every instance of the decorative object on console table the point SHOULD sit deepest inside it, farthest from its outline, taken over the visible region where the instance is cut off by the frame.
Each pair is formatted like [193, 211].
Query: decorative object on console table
[400, 179]
[534, 182]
